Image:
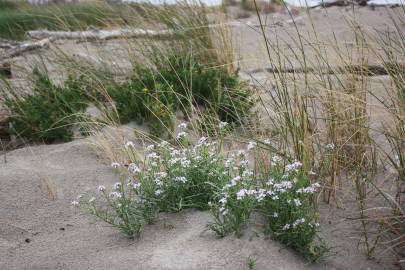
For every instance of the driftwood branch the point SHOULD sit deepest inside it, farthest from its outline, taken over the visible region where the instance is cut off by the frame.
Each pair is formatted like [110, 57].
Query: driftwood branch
[369, 70]
[8, 44]
[24, 47]
[337, 3]
[99, 34]
[343, 3]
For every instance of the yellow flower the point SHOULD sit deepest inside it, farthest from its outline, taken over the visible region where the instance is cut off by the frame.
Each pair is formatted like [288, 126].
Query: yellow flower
[145, 90]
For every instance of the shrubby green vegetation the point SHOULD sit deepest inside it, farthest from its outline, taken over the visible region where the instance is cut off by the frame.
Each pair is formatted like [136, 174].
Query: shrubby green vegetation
[48, 112]
[152, 95]
[179, 83]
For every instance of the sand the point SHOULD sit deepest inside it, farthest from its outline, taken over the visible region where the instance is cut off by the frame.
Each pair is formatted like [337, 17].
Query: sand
[41, 230]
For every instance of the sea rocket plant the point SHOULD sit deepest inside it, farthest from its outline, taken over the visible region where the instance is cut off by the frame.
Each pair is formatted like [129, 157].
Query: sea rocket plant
[283, 195]
[167, 179]
[170, 179]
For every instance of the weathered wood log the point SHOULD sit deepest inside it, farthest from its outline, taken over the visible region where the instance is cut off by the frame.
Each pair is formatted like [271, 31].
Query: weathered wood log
[8, 44]
[99, 34]
[369, 70]
[24, 47]
[336, 3]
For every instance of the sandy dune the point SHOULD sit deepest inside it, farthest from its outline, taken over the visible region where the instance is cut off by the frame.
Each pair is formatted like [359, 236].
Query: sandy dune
[41, 232]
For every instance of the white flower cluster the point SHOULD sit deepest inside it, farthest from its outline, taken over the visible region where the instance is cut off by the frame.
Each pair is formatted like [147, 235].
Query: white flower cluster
[133, 168]
[181, 179]
[295, 166]
[182, 125]
[222, 202]
[251, 145]
[244, 193]
[275, 160]
[150, 148]
[222, 125]
[115, 165]
[76, 202]
[129, 145]
[330, 146]
[294, 225]
[310, 189]
[181, 135]
[116, 195]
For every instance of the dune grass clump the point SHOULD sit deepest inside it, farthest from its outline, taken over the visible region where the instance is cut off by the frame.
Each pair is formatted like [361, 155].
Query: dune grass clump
[393, 220]
[48, 112]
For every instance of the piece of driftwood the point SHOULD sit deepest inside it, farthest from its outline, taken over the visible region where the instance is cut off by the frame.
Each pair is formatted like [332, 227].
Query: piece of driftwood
[336, 3]
[369, 70]
[99, 34]
[24, 47]
[8, 44]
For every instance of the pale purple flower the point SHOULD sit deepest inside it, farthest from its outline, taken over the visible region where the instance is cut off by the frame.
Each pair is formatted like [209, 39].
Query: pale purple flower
[129, 144]
[275, 159]
[75, 203]
[133, 168]
[298, 222]
[182, 125]
[115, 165]
[222, 124]
[182, 134]
[115, 195]
[185, 163]
[244, 163]
[295, 166]
[136, 185]
[181, 179]
[247, 173]
[261, 194]
[150, 148]
[228, 163]
[223, 200]
[241, 194]
[117, 186]
[330, 146]
[153, 155]
[251, 145]
[202, 140]
[163, 144]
